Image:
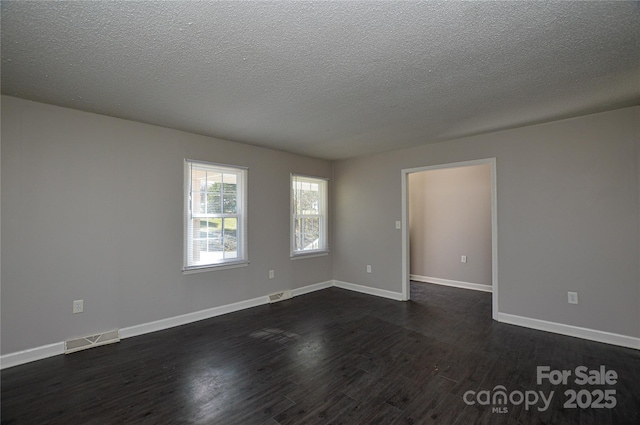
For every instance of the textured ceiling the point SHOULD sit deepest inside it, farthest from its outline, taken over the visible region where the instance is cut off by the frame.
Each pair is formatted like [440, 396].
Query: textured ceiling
[328, 79]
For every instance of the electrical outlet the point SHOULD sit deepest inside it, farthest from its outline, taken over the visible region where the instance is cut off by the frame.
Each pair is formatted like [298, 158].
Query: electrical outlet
[463, 258]
[271, 274]
[368, 268]
[398, 225]
[78, 306]
[572, 297]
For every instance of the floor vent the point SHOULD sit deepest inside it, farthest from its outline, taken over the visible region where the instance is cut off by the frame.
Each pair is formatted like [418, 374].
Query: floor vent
[280, 296]
[77, 344]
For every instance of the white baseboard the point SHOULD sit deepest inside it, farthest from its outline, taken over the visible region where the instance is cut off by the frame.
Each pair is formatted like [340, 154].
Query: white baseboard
[368, 290]
[195, 316]
[569, 330]
[31, 355]
[39, 353]
[312, 288]
[454, 283]
[50, 350]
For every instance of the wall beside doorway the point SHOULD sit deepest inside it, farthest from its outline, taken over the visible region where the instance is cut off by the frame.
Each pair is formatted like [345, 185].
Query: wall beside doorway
[450, 216]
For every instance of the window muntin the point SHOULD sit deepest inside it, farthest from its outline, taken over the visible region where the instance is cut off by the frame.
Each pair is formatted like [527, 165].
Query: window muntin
[308, 215]
[215, 215]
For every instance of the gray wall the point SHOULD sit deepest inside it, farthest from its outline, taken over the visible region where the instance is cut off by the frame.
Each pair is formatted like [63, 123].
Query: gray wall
[92, 209]
[450, 216]
[568, 217]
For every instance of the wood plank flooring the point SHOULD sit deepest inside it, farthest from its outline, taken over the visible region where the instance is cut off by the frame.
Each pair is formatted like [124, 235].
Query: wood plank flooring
[330, 357]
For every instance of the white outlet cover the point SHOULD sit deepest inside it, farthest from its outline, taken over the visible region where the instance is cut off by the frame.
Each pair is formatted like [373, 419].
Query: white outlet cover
[572, 297]
[463, 258]
[398, 225]
[78, 306]
[368, 269]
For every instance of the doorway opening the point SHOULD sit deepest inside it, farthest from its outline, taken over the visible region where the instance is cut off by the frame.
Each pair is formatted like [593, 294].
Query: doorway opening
[406, 232]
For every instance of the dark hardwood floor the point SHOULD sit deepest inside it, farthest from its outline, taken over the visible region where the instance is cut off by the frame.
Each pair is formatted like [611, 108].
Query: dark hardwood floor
[330, 357]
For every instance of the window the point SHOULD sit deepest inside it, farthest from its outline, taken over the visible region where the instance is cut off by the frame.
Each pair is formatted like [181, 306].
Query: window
[308, 215]
[215, 215]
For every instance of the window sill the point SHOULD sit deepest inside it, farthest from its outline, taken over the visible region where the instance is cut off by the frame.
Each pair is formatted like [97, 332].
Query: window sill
[211, 268]
[302, 255]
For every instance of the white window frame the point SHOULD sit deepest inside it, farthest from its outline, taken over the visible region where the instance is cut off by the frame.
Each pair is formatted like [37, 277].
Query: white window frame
[241, 214]
[323, 215]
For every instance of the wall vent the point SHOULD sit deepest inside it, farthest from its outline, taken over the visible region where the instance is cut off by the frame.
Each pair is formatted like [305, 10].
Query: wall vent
[280, 296]
[77, 344]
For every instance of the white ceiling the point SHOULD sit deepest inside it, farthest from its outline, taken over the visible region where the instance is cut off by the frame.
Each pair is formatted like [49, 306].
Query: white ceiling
[331, 79]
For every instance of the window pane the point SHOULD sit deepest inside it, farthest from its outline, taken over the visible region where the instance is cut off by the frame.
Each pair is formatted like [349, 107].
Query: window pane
[306, 234]
[213, 181]
[230, 238]
[212, 227]
[198, 180]
[216, 243]
[213, 232]
[199, 202]
[199, 247]
[203, 228]
[309, 199]
[230, 178]
[295, 210]
[230, 194]
[213, 202]
[308, 205]
[297, 234]
[311, 233]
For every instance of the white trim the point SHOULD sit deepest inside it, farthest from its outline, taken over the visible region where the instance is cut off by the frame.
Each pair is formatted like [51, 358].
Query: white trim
[470, 163]
[213, 267]
[323, 216]
[570, 330]
[242, 182]
[313, 254]
[494, 225]
[217, 164]
[494, 239]
[406, 288]
[31, 355]
[195, 316]
[312, 288]
[45, 351]
[310, 177]
[454, 283]
[369, 290]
